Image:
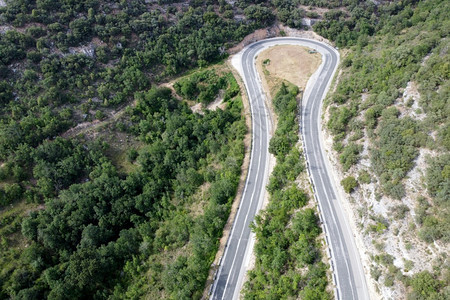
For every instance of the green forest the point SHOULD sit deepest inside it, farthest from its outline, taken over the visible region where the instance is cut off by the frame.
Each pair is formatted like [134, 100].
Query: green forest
[96, 235]
[136, 209]
[76, 224]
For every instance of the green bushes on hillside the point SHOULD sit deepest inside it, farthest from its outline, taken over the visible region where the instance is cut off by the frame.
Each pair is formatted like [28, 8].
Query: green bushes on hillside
[91, 227]
[435, 220]
[380, 70]
[98, 224]
[63, 63]
[393, 92]
[349, 184]
[394, 152]
[203, 86]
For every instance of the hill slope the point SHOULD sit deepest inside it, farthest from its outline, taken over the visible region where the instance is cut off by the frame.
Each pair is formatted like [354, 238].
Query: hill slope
[389, 120]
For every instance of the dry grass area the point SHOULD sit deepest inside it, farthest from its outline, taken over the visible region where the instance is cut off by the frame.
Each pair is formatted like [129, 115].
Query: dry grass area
[287, 62]
[119, 144]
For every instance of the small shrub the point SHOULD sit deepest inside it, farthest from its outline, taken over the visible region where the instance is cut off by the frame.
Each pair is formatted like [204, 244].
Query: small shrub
[408, 246]
[99, 115]
[399, 212]
[349, 183]
[132, 155]
[375, 272]
[395, 231]
[410, 102]
[384, 259]
[389, 280]
[425, 286]
[408, 265]
[364, 177]
[421, 209]
[379, 246]
[378, 228]
[350, 155]
[430, 230]
[338, 146]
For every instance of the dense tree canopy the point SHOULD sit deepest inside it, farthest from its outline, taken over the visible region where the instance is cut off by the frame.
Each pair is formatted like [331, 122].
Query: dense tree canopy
[98, 222]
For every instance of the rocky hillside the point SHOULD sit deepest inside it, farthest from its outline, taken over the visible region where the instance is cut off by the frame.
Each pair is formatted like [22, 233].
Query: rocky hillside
[389, 122]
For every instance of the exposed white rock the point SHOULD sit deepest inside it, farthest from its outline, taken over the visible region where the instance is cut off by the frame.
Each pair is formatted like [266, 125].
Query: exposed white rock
[410, 94]
[309, 22]
[410, 254]
[5, 28]
[88, 50]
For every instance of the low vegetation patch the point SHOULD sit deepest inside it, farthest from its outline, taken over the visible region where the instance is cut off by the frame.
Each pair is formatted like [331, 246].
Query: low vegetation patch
[349, 184]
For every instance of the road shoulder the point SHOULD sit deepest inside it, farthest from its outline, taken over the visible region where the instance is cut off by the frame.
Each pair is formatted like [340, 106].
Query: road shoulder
[244, 171]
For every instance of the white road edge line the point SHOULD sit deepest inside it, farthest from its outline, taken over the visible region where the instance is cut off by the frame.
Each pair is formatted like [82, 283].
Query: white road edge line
[325, 51]
[250, 204]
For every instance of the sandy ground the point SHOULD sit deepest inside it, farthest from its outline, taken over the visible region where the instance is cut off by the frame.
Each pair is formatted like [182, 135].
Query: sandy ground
[287, 62]
[217, 103]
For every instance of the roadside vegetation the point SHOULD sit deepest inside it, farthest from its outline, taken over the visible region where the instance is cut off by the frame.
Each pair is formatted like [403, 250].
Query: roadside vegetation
[390, 109]
[288, 248]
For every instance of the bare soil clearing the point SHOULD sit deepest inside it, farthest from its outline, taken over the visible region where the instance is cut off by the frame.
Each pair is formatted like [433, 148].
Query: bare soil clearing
[287, 62]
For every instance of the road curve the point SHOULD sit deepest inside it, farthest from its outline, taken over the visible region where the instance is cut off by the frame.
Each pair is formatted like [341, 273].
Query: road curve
[348, 272]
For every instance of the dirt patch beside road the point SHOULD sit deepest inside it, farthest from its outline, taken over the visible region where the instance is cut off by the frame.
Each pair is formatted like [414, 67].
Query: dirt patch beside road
[287, 62]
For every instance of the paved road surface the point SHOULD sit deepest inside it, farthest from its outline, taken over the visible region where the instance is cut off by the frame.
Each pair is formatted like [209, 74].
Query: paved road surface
[348, 272]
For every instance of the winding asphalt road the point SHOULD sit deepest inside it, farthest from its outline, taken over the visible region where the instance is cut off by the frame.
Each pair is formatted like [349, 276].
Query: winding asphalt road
[348, 272]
